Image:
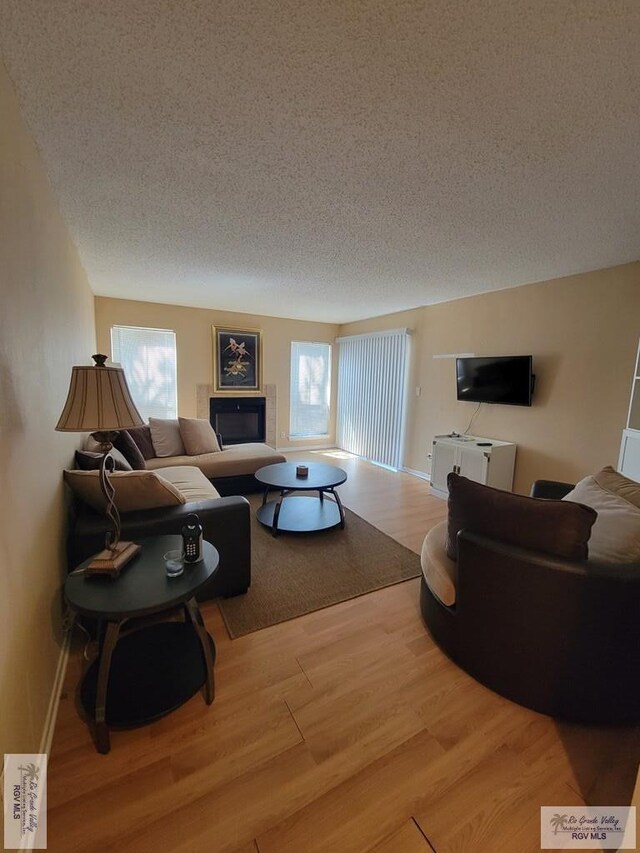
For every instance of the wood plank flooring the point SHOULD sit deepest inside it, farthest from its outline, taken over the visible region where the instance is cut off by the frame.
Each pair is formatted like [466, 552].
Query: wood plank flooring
[346, 730]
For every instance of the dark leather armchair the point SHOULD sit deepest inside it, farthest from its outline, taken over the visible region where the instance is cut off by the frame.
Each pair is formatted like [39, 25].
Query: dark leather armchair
[556, 636]
[226, 523]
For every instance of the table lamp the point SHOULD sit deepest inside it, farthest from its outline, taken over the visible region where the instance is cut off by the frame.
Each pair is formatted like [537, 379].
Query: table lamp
[99, 402]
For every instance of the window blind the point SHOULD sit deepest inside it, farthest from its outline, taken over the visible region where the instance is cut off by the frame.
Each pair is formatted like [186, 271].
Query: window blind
[372, 379]
[148, 357]
[310, 389]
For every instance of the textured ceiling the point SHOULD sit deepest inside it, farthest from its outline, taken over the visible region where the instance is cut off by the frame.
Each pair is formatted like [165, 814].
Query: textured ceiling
[334, 160]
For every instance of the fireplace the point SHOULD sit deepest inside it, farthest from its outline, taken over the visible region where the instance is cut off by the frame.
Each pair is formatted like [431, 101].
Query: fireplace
[238, 419]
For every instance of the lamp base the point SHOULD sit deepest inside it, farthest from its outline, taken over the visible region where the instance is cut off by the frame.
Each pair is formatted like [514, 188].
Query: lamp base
[110, 562]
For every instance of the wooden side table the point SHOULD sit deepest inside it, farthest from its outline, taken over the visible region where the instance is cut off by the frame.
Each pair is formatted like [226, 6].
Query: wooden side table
[148, 665]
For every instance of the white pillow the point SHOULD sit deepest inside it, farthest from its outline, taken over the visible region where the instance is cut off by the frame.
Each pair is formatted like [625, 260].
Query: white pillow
[166, 437]
[615, 536]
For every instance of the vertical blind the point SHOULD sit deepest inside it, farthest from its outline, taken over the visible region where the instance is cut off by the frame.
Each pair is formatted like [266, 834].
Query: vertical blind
[372, 378]
[148, 357]
[310, 389]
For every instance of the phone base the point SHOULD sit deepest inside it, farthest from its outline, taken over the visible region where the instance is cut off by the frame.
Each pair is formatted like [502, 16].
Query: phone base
[111, 561]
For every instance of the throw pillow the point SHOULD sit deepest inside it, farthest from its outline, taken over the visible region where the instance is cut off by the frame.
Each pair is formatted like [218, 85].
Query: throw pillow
[553, 527]
[198, 436]
[87, 460]
[615, 537]
[142, 438]
[134, 490]
[130, 450]
[620, 485]
[166, 438]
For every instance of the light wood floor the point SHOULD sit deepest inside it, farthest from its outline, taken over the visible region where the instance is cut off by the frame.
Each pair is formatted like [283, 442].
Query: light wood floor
[346, 730]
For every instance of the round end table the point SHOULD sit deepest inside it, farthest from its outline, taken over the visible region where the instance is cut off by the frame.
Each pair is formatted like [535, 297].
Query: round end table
[147, 665]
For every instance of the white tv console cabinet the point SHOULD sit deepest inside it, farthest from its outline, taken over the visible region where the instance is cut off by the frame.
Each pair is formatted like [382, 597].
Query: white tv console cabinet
[484, 460]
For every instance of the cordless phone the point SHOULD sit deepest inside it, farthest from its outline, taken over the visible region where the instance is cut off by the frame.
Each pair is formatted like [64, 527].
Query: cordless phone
[192, 539]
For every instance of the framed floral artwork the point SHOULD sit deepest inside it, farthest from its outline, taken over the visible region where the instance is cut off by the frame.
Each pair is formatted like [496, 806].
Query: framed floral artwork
[237, 360]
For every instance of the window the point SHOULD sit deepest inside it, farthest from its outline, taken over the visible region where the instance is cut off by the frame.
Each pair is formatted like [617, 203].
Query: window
[148, 357]
[310, 389]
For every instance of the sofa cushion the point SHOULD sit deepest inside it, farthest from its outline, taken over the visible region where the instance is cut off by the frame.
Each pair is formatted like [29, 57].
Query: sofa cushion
[166, 438]
[618, 484]
[89, 460]
[439, 570]
[234, 461]
[190, 482]
[134, 490]
[130, 450]
[615, 537]
[541, 525]
[198, 436]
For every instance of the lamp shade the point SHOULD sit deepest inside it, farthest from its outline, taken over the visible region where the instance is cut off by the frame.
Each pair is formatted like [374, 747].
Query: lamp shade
[99, 400]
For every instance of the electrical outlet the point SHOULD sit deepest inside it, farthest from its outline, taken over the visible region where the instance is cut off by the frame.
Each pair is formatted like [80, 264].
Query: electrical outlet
[283, 434]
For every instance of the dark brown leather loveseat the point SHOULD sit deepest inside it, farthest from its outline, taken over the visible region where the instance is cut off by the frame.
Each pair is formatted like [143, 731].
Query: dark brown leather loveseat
[557, 636]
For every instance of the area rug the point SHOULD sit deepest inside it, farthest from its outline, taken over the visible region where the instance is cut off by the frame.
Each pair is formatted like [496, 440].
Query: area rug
[295, 574]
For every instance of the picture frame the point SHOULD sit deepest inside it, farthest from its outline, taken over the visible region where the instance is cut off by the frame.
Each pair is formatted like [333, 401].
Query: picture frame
[237, 360]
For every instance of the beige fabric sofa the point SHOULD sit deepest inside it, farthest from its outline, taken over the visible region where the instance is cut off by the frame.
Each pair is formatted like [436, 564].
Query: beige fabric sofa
[231, 469]
[140, 490]
[236, 460]
[192, 484]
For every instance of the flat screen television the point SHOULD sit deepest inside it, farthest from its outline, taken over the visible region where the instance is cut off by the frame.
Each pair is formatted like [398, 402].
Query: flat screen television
[504, 379]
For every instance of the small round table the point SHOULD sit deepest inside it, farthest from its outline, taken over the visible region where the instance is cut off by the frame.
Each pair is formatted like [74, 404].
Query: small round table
[155, 665]
[301, 513]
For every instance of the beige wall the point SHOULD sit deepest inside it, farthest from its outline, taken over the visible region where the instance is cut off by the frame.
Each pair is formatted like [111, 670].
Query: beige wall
[583, 333]
[194, 348]
[46, 325]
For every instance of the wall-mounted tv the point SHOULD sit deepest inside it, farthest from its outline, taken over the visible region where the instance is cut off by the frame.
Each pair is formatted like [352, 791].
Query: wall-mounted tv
[504, 379]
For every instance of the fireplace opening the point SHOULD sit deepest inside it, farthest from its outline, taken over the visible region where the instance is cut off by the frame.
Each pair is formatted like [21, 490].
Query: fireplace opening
[238, 419]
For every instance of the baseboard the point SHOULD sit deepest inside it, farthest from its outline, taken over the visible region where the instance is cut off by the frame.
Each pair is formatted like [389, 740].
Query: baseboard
[414, 473]
[54, 699]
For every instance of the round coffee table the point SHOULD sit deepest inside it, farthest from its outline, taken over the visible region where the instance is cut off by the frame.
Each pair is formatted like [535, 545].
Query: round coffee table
[301, 513]
[155, 665]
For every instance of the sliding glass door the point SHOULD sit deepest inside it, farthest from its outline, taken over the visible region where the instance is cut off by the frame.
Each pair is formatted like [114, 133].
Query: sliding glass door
[372, 392]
